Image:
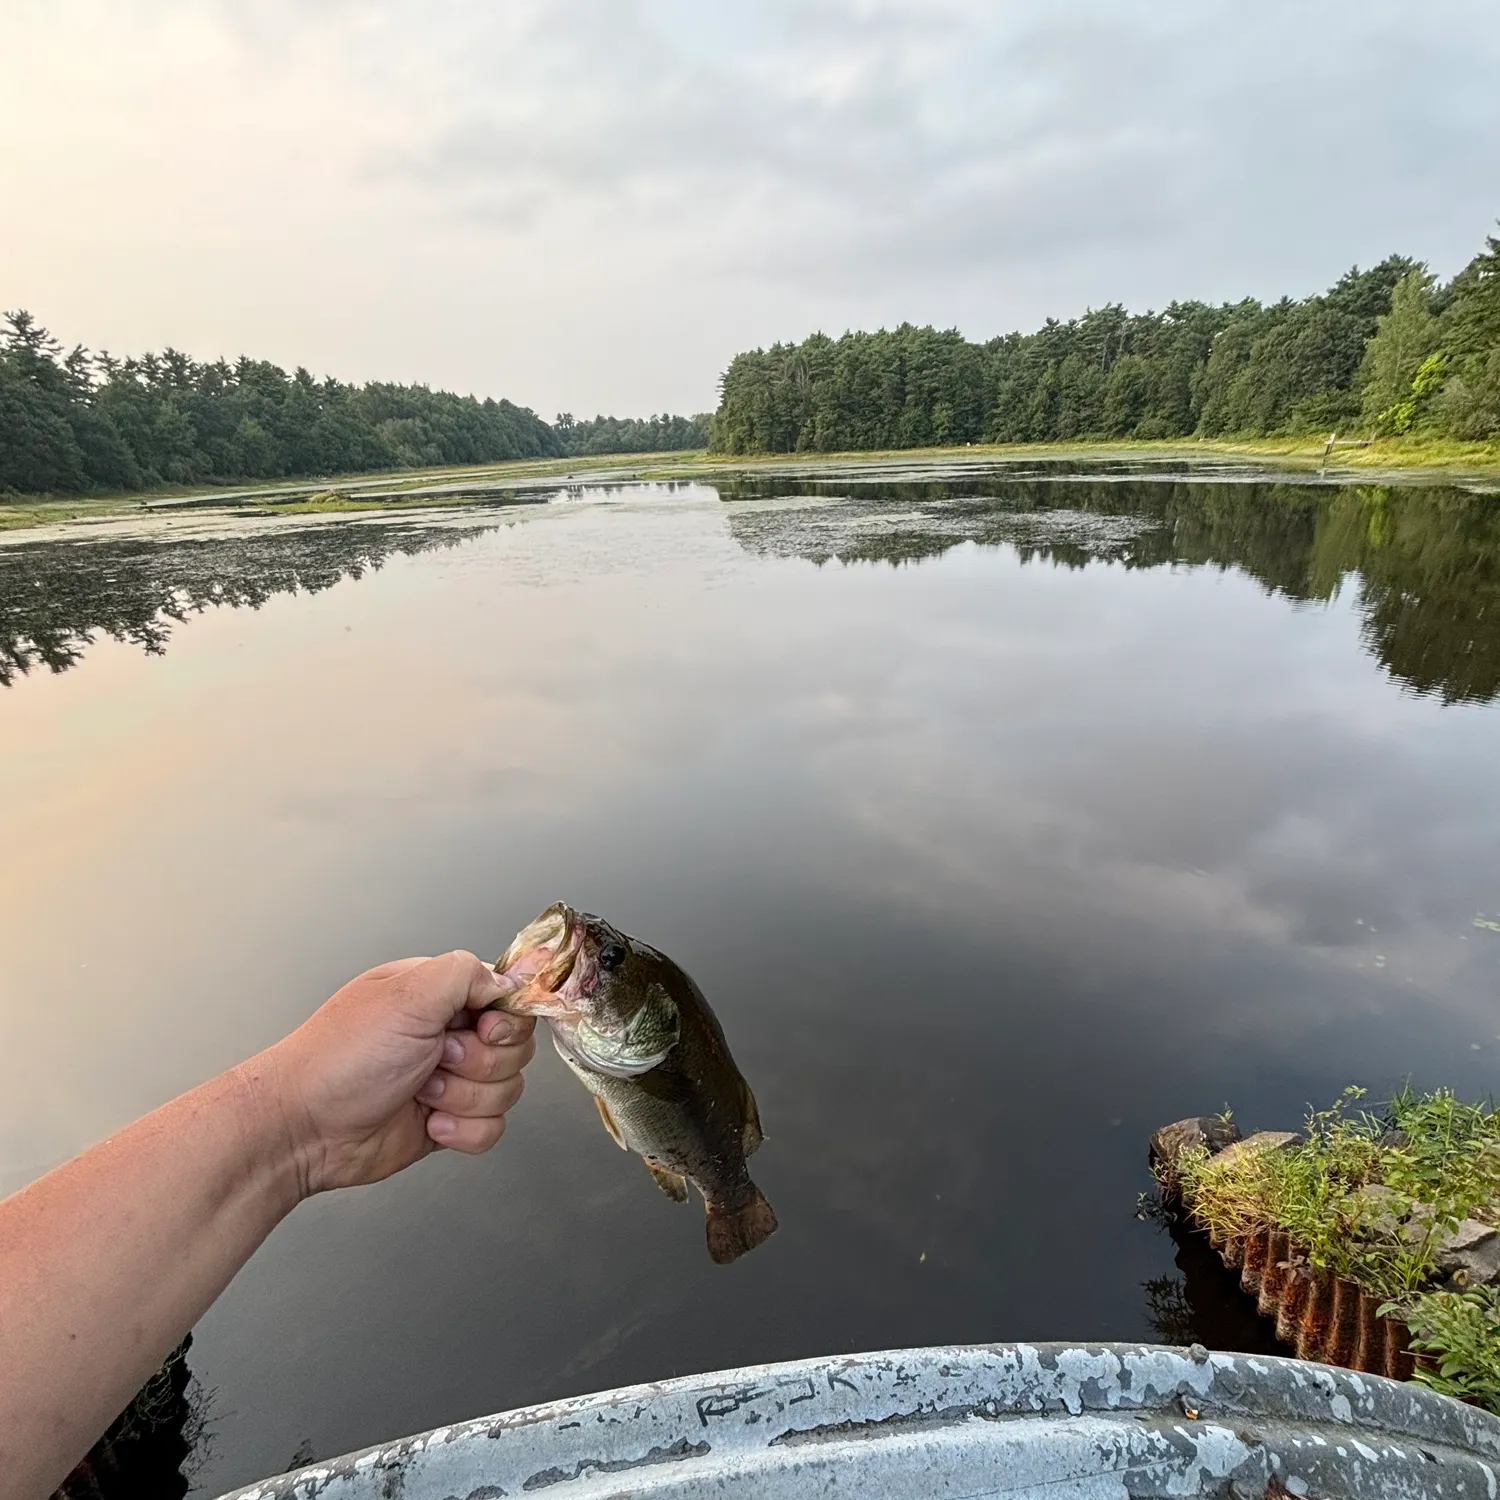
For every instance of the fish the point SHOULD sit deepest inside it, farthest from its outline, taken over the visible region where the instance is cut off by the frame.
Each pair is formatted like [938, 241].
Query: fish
[638, 1034]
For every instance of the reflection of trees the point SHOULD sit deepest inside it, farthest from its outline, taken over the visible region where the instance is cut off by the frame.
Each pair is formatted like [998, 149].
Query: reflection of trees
[154, 1447]
[1203, 1303]
[56, 597]
[1426, 562]
[1429, 581]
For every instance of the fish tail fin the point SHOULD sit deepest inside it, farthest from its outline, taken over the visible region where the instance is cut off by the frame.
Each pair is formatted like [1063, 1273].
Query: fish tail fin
[733, 1231]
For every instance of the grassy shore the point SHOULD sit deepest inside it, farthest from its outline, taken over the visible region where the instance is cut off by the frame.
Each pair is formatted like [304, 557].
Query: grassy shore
[1411, 458]
[347, 492]
[1404, 459]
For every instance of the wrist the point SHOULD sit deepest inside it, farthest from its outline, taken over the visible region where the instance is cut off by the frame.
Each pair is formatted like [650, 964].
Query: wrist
[278, 1137]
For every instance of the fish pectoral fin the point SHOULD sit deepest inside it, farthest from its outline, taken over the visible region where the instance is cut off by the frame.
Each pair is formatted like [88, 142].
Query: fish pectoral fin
[751, 1136]
[609, 1124]
[673, 1184]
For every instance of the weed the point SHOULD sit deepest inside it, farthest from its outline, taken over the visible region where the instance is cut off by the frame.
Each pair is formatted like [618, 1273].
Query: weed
[1367, 1196]
[1460, 1332]
[1371, 1196]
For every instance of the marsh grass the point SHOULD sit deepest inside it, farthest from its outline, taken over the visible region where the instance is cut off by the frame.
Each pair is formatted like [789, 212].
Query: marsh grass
[18, 515]
[1411, 457]
[1391, 457]
[1370, 1196]
[321, 502]
[24, 510]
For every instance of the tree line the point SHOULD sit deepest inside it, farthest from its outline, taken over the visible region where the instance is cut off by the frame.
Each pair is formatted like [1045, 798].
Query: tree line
[79, 421]
[603, 435]
[1386, 350]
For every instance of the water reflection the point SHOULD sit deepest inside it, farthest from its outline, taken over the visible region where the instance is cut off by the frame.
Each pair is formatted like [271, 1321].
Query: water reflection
[155, 1447]
[989, 865]
[1424, 562]
[57, 597]
[1202, 1302]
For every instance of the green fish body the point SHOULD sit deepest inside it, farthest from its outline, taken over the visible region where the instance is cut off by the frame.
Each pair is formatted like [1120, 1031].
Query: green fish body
[639, 1035]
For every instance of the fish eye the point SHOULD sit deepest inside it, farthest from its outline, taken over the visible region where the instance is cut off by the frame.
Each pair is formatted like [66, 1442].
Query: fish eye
[611, 956]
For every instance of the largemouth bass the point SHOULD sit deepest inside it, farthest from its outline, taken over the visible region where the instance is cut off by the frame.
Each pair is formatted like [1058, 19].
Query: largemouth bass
[640, 1037]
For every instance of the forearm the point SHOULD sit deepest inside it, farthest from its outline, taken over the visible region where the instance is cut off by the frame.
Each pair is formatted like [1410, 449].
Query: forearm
[108, 1261]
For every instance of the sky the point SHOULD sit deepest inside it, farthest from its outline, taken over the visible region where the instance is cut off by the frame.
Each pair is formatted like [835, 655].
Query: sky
[592, 205]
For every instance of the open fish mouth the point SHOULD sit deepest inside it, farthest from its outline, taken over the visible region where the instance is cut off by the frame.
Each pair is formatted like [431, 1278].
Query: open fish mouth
[546, 955]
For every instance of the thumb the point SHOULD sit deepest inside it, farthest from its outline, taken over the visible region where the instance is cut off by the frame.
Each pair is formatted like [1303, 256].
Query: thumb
[445, 986]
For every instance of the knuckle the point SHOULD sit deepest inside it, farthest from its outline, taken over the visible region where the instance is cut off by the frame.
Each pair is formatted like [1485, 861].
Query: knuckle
[484, 1135]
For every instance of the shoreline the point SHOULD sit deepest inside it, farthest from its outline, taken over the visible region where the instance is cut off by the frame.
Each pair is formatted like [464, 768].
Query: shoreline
[1400, 459]
[1472, 466]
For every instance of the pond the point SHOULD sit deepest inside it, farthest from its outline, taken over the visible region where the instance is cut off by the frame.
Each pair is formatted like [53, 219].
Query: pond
[1003, 813]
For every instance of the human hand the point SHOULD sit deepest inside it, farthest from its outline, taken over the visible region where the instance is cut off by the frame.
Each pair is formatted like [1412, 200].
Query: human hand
[403, 1059]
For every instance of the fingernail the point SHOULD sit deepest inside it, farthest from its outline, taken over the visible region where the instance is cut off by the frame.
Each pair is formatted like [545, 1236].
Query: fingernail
[500, 1030]
[453, 1049]
[442, 1126]
[433, 1088]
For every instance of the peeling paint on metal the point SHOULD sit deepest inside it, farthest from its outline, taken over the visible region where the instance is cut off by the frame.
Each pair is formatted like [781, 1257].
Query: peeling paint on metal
[545, 1478]
[1021, 1419]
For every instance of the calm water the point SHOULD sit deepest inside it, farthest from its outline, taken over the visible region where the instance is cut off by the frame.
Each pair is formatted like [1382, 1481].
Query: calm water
[1002, 816]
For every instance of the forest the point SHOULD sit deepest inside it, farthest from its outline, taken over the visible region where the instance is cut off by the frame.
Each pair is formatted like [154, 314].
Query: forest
[1386, 351]
[80, 422]
[632, 434]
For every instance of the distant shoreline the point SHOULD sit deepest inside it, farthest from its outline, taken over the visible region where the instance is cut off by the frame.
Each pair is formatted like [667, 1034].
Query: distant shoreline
[1391, 460]
[1399, 458]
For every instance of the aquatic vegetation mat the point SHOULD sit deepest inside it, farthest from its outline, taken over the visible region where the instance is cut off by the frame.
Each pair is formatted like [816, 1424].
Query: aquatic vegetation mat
[1370, 1237]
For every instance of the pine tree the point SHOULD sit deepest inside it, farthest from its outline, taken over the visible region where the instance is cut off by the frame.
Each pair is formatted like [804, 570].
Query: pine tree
[1405, 337]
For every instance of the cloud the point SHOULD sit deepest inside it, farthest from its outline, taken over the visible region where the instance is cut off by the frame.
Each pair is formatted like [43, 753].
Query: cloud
[594, 203]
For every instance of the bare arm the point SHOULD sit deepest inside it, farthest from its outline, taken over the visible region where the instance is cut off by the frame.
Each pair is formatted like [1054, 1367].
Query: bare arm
[108, 1261]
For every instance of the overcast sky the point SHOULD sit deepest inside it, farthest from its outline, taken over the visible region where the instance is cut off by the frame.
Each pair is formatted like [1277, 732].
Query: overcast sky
[592, 204]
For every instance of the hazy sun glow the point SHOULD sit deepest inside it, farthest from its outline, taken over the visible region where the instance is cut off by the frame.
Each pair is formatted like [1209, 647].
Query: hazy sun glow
[587, 205]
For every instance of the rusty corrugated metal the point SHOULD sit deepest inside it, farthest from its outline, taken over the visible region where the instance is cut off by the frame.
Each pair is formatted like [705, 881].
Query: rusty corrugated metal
[1321, 1317]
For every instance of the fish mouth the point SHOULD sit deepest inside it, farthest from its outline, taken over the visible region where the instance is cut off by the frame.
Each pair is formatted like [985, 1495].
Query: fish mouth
[545, 955]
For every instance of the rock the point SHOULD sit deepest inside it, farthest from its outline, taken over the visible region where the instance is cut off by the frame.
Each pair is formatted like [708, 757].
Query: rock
[1262, 1140]
[1381, 1211]
[1167, 1145]
[1469, 1256]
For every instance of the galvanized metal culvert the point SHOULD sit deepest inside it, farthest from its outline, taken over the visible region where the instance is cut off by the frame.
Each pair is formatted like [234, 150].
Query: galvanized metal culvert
[1068, 1423]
